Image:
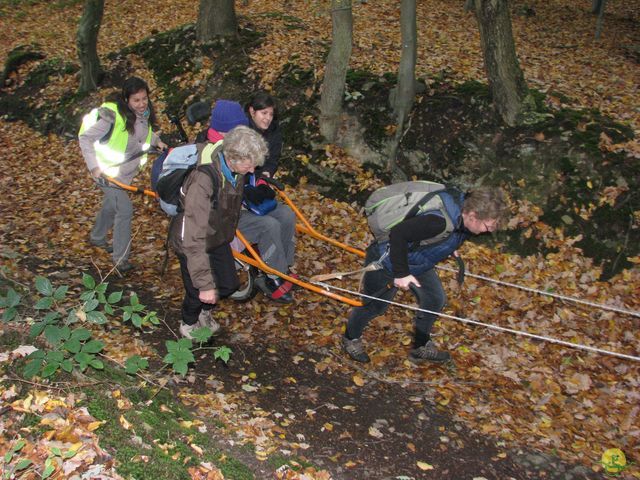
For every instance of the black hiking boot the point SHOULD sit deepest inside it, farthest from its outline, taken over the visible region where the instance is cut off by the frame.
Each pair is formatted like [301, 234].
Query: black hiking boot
[428, 353]
[355, 349]
[275, 289]
[125, 267]
[103, 245]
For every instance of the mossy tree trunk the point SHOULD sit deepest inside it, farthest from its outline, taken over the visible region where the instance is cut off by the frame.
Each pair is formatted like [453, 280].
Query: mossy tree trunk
[87, 42]
[406, 87]
[216, 18]
[506, 80]
[335, 72]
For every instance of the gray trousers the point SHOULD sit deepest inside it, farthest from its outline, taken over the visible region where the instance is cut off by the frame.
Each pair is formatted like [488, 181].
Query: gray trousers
[116, 213]
[274, 233]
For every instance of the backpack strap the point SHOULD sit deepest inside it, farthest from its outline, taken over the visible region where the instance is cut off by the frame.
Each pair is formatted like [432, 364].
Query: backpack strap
[208, 169]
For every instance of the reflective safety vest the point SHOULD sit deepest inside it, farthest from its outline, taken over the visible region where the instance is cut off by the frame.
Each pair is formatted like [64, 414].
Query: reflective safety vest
[110, 152]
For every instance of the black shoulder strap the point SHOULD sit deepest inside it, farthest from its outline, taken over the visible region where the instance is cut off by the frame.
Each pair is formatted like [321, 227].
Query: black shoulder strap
[212, 174]
[453, 192]
[416, 208]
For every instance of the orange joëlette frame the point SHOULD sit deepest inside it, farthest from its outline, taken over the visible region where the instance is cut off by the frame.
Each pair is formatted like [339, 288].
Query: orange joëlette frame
[254, 258]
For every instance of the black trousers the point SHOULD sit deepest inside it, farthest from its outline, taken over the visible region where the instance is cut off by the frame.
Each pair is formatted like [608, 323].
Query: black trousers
[379, 283]
[224, 271]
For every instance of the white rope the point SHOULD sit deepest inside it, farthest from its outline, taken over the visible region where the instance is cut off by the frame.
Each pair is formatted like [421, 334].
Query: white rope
[488, 325]
[549, 294]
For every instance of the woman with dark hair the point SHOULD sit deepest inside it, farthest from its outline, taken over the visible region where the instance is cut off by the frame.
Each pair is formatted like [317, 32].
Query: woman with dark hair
[263, 118]
[269, 224]
[113, 138]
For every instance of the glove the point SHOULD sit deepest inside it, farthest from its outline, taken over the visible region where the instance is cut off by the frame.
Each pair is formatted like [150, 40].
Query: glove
[266, 191]
[259, 194]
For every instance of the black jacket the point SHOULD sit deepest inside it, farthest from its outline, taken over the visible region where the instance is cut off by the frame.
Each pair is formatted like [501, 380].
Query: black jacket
[273, 136]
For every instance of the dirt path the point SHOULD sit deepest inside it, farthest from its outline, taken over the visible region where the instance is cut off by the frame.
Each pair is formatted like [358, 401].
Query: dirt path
[381, 430]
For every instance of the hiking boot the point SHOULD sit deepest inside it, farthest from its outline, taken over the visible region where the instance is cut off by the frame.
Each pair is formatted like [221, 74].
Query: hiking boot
[206, 320]
[430, 353]
[355, 349]
[187, 330]
[103, 245]
[275, 289]
[124, 267]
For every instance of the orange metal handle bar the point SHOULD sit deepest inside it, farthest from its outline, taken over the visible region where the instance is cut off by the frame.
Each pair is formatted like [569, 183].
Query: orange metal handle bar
[309, 230]
[131, 188]
[257, 262]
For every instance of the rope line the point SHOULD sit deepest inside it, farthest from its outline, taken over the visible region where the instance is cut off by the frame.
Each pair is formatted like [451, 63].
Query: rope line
[549, 294]
[488, 325]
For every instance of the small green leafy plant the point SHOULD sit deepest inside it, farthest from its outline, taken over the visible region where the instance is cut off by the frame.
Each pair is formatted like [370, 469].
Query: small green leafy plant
[180, 353]
[12, 464]
[69, 345]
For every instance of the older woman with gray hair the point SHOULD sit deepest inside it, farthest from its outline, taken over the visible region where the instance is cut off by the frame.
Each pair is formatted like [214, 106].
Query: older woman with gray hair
[210, 207]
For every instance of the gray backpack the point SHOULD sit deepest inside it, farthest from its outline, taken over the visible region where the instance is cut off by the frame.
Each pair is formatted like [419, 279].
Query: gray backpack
[390, 205]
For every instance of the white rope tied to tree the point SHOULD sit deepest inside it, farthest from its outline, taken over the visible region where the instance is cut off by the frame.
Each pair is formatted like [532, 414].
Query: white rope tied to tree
[487, 325]
[549, 294]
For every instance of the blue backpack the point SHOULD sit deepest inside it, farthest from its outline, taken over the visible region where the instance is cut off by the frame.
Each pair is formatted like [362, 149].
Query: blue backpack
[168, 173]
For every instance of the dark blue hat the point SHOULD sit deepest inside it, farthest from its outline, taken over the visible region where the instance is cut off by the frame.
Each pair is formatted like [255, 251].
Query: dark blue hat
[227, 115]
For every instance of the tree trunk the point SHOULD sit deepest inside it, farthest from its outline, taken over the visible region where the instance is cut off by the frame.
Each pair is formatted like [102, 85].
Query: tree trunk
[468, 5]
[87, 43]
[506, 80]
[216, 18]
[406, 88]
[596, 6]
[600, 11]
[335, 72]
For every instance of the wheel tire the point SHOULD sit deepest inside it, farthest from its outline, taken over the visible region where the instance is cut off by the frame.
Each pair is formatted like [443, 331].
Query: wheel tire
[248, 288]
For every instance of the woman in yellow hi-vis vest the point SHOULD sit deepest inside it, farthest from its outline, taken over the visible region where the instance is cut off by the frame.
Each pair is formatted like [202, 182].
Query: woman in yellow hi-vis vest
[112, 139]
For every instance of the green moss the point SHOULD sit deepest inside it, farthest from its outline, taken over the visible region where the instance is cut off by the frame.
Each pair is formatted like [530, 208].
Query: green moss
[40, 75]
[155, 421]
[233, 469]
[355, 78]
[539, 99]
[30, 420]
[473, 88]
[294, 76]
[19, 56]
[588, 125]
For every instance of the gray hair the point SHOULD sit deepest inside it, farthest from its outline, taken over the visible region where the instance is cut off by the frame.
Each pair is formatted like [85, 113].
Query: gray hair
[243, 144]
